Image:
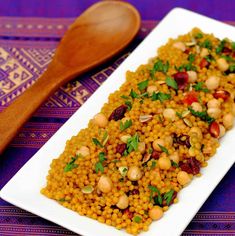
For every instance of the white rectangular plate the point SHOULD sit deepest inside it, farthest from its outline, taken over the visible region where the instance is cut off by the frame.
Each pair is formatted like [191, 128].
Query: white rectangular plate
[23, 190]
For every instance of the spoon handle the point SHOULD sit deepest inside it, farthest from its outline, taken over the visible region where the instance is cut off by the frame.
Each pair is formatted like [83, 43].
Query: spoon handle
[16, 114]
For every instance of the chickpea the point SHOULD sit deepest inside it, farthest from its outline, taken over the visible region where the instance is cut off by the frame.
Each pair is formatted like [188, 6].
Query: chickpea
[196, 106]
[204, 52]
[156, 213]
[168, 141]
[134, 173]
[83, 151]
[228, 121]
[141, 147]
[213, 103]
[105, 184]
[222, 64]
[183, 178]
[175, 157]
[100, 120]
[124, 138]
[164, 163]
[196, 130]
[151, 89]
[221, 131]
[192, 76]
[123, 202]
[214, 112]
[180, 46]
[212, 82]
[156, 144]
[169, 113]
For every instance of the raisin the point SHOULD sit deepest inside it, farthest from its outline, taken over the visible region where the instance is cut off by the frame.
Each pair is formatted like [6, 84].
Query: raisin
[129, 213]
[155, 154]
[181, 79]
[191, 166]
[118, 113]
[121, 148]
[182, 140]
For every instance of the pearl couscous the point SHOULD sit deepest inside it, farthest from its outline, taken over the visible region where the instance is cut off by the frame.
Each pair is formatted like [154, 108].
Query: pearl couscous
[152, 136]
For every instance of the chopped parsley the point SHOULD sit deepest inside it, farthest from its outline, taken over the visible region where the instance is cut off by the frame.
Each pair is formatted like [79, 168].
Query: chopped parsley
[143, 85]
[133, 94]
[99, 164]
[233, 45]
[105, 138]
[154, 190]
[179, 115]
[129, 105]
[191, 58]
[124, 97]
[168, 196]
[209, 58]
[232, 68]
[203, 115]
[163, 149]
[71, 165]
[97, 142]
[137, 219]
[160, 67]
[220, 47]
[200, 86]
[153, 165]
[171, 82]
[125, 125]
[206, 44]
[228, 58]
[199, 36]
[160, 96]
[132, 143]
[174, 164]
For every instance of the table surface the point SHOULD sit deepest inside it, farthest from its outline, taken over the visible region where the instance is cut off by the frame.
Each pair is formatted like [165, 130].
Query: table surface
[29, 33]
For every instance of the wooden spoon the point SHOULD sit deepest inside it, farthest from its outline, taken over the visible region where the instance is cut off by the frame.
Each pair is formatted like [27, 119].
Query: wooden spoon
[101, 32]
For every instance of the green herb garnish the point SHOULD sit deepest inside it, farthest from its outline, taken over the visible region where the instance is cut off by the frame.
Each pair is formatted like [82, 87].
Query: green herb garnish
[198, 35]
[153, 165]
[160, 67]
[160, 96]
[203, 115]
[105, 138]
[132, 143]
[124, 97]
[143, 85]
[191, 58]
[137, 219]
[233, 45]
[163, 149]
[71, 165]
[232, 68]
[125, 125]
[174, 164]
[168, 196]
[209, 58]
[99, 164]
[228, 58]
[129, 105]
[133, 94]
[206, 44]
[154, 190]
[220, 47]
[200, 86]
[171, 82]
[97, 142]
[179, 115]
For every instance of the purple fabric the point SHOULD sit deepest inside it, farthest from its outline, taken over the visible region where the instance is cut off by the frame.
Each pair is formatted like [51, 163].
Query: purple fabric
[34, 40]
[149, 9]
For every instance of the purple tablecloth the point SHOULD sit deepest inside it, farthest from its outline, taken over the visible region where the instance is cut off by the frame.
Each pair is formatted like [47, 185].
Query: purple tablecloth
[29, 33]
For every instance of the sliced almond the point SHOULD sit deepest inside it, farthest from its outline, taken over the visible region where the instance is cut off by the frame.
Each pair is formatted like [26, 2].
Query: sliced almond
[145, 118]
[123, 170]
[87, 189]
[161, 82]
[187, 122]
[190, 44]
[185, 113]
[146, 157]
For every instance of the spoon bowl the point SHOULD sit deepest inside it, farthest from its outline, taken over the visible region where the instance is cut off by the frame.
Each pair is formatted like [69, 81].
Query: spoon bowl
[98, 34]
